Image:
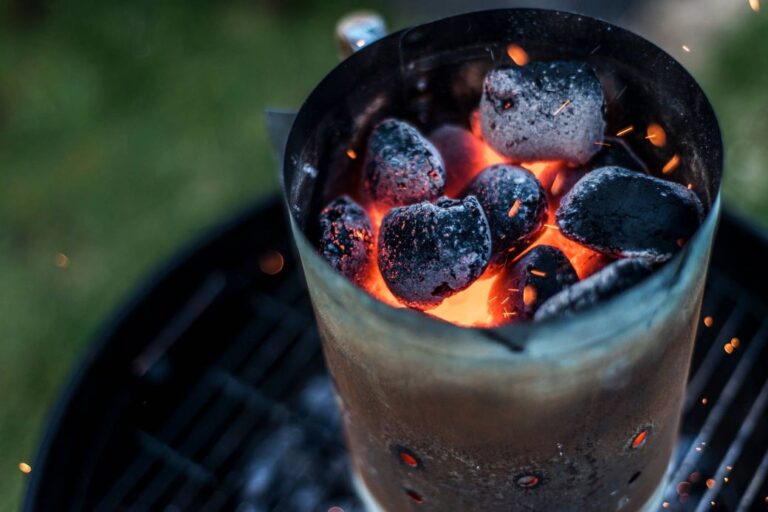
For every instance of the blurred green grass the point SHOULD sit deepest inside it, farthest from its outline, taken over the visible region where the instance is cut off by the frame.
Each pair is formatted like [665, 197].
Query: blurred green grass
[128, 128]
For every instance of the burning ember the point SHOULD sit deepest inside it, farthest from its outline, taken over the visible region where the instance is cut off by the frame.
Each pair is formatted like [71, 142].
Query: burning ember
[526, 215]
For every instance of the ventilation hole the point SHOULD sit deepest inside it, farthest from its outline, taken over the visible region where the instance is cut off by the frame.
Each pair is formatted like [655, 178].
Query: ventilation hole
[639, 440]
[528, 481]
[414, 495]
[406, 456]
[634, 477]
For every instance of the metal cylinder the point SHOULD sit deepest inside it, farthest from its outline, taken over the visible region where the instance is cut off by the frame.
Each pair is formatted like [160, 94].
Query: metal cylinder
[578, 413]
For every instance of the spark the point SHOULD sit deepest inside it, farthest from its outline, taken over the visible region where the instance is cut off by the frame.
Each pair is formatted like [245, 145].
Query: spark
[729, 468]
[529, 295]
[665, 504]
[710, 483]
[704, 401]
[728, 348]
[673, 164]
[360, 43]
[755, 5]
[686, 49]
[25, 468]
[690, 186]
[656, 135]
[601, 143]
[735, 342]
[539, 273]
[62, 260]
[514, 209]
[625, 131]
[640, 439]
[709, 321]
[562, 107]
[351, 154]
[518, 55]
[271, 262]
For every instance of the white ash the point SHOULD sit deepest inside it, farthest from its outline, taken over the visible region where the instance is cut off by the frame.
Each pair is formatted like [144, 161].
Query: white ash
[544, 111]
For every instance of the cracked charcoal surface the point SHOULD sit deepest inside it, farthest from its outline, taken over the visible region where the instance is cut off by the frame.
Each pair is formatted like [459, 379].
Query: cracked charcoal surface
[401, 166]
[529, 282]
[428, 252]
[543, 111]
[462, 154]
[515, 205]
[346, 238]
[608, 282]
[627, 214]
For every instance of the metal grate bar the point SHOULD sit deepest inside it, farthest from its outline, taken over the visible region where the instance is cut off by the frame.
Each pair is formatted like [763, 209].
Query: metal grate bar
[689, 461]
[200, 301]
[747, 427]
[754, 485]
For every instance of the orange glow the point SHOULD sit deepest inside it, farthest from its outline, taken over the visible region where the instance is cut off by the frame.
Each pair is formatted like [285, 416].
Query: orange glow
[515, 208]
[409, 459]
[351, 154]
[735, 342]
[518, 55]
[25, 468]
[673, 164]
[710, 483]
[709, 321]
[624, 131]
[529, 295]
[656, 135]
[61, 260]
[271, 262]
[639, 439]
[704, 401]
[469, 308]
[538, 273]
[728, 348]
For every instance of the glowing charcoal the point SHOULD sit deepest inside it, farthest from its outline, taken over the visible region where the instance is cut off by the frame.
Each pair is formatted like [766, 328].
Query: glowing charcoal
[602, 285]
[543, 111]
[464, 156]
[515, 205]
[529, 282]
[346, 238]
[623, 213]
[428, 252]
[401, 166]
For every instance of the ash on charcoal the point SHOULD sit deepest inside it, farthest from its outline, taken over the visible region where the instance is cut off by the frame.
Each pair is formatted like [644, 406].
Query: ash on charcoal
[462, 154]
[608, 282]
[401, 166]
[515, 205]
[623, 213]
[346, 238]
[529, 282]
[544, 111]
[428, 252]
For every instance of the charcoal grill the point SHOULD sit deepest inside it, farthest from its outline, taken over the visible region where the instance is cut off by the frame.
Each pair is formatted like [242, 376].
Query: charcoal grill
[208, 391]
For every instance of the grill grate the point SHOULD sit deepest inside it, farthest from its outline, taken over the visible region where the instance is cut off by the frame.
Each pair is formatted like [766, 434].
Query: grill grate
[212, 395]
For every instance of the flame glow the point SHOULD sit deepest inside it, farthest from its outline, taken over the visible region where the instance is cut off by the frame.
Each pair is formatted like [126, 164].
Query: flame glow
[471, 307]
[518, 55]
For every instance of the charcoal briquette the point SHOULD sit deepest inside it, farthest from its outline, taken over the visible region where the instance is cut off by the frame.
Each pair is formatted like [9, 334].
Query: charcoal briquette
[600, 286]
[543, 111]
[515, 205]
[462, 155]
[401, 166]
[428, 252]
[530, 281]
[346, 238]
[622, 213]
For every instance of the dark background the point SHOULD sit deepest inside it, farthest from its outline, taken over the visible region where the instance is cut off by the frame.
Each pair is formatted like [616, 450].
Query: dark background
[128, 128]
